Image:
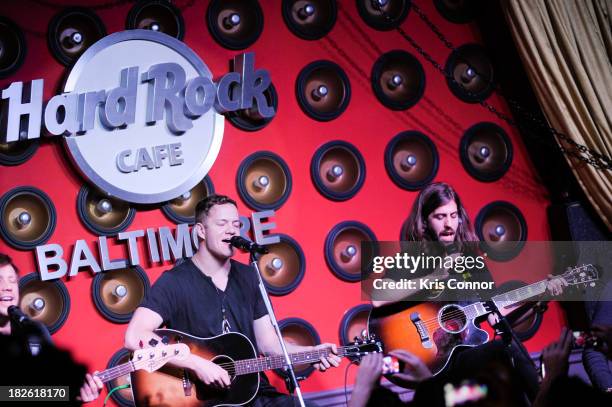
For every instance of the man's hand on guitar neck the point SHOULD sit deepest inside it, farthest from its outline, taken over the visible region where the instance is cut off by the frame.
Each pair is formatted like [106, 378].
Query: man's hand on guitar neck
[268, 344]
[91, 388]
[554, 285]
[327, 361]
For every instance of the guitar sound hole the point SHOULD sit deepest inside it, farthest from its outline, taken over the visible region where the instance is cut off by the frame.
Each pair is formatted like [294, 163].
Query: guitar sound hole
[226, 363]
[452, 318]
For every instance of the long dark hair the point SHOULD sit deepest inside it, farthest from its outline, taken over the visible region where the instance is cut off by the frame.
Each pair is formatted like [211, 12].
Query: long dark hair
[430, 198]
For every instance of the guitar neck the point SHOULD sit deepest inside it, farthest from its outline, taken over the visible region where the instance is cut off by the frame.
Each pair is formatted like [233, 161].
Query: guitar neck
[507, 299]
[261, 364]
[518, 295]
[116, 371]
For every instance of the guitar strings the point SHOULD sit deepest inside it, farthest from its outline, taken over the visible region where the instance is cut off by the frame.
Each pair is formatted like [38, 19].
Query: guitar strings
[521, 291]
[232, 367]
[454, 314]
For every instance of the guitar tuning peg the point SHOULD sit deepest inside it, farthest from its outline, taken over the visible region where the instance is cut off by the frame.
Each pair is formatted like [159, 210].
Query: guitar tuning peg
[364, 334]
[153, 342]
[165, 340]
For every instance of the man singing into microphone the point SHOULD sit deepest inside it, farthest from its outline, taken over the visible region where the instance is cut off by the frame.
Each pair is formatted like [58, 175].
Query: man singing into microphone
[35, 334]
[211, 294]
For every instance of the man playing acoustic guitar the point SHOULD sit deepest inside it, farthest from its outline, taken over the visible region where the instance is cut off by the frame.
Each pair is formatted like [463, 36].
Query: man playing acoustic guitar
[212, 294]
[439, 220]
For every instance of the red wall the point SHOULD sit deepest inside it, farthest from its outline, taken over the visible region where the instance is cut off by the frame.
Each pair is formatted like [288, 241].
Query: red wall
[307, 216]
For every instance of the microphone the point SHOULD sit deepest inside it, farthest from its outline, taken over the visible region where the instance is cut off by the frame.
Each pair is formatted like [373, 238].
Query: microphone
[16, 315]
[241, 243]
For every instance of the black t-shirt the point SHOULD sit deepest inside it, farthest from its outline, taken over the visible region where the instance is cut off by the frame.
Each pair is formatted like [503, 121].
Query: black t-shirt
[188, 301]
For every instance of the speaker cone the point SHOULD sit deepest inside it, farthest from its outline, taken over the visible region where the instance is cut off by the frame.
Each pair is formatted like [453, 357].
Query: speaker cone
[411, 160]
[338, 170]
[486, 152]
[47, 302]
[102, 214]
[457, 11]
[383, 15]
[182, 209]
[524, 324]
[12, 47]
[323, 90]
[502, 229]
[264, 181]
[72, 31]
[122, 397]
[354, 323]
[156, 15]
[398, 80]
[27, 217]
[250, 119]
[310, 19]
[235, 24]
[283, 267]
[343, 249]
[472, 72]
[298, 331]
[18, 152]
[117, 293]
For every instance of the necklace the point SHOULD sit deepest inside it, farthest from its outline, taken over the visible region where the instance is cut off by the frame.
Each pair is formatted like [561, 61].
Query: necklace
[225, 325]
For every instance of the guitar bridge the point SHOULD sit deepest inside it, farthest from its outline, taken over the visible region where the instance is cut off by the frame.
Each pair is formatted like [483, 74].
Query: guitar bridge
[421, 329]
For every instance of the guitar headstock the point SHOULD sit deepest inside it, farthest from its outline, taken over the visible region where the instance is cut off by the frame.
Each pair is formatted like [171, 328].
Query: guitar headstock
[585, 274]
[151, 359]
[363, 346]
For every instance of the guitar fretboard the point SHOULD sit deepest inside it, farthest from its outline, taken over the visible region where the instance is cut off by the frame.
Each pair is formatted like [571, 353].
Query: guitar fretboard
[507, 299]
[116, 371]
[520, 294]
[261, 364]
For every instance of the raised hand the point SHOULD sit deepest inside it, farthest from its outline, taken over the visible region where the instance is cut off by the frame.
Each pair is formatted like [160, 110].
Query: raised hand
[414, 371]
[555, 356]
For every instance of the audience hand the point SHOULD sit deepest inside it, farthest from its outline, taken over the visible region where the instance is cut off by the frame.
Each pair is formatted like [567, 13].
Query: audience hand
[555, 356]
[370, 370]
[414, 371]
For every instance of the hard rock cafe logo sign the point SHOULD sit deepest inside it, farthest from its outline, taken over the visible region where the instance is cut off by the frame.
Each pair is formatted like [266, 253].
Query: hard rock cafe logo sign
[140, 113]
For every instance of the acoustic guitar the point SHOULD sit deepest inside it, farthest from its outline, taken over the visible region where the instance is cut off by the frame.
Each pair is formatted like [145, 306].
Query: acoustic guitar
[148, 360]
[173, 386]
[433, 331]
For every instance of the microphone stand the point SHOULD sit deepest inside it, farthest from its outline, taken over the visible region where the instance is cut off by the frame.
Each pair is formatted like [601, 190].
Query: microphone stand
[293, 382]
[507, 333]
